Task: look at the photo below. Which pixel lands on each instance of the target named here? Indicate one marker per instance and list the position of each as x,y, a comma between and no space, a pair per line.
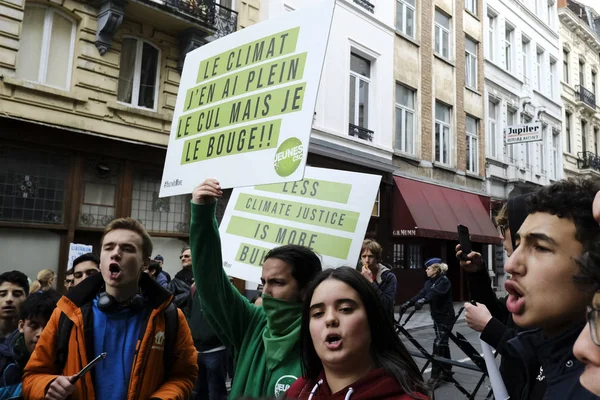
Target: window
101,180
491,35
596,140
581,73
405,119
360,74
442,133
493,127
538,7
408,256
555,155
565,66
549,13
568,130
540,150
139,73
539,65
511,120
46,47
472,145
525,58
470,63
508,47
594,83
526,147
471,5
405,17
442,34
376,206
552,75
583,136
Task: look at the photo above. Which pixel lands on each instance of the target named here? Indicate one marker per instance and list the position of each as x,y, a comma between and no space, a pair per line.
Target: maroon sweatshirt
377,385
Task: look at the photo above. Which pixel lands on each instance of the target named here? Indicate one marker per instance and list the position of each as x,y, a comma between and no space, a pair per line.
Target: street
466,377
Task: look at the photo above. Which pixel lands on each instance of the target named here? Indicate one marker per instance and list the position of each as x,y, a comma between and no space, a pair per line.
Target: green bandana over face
283,334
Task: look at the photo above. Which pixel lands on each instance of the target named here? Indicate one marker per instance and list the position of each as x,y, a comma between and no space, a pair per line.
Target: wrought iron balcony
220,18
587,159
586,96
361,133
364,3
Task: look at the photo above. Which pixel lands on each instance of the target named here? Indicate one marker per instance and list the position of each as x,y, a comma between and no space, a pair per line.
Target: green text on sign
269,47
312,188
322,243
244,139
264,105
298,212
249,80
253,255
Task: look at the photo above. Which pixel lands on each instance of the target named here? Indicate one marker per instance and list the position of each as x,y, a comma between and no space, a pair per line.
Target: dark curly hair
572,199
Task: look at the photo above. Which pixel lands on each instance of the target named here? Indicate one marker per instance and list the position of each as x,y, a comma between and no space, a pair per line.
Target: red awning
427,210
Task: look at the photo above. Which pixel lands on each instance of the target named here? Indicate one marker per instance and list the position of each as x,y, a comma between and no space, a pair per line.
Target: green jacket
265,339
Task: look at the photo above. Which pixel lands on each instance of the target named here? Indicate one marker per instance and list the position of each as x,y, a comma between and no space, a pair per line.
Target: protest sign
246,103
76,250
328,211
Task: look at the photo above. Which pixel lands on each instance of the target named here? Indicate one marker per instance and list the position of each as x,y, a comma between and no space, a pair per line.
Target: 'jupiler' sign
523,133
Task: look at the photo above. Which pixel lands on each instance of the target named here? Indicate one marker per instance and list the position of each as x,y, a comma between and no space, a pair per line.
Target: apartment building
580,46
87,93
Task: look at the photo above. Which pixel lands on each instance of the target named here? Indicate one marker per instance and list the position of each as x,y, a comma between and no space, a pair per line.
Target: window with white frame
472,145
470,63
541,156
596,140
405,17
539,68
493,127
508,46
442,34
584,135
538,8
525,64
139,73
471,5
565,66
405,119
46,47
526,147
549,13
555,155
594,82
552,77
360,79
511,120
582,73
568,131
491,45
443,129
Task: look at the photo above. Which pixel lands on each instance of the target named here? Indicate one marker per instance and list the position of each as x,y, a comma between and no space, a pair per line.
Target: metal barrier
477,362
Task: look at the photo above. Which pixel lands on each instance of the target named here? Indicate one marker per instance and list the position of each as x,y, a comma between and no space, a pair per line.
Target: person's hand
366,272
473,263
60,388
419,304
477,317
404,307
207,192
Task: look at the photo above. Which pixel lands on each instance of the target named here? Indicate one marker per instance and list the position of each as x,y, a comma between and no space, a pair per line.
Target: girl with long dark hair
350,349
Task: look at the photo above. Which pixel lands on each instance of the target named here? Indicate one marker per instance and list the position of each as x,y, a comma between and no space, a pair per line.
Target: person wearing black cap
438,293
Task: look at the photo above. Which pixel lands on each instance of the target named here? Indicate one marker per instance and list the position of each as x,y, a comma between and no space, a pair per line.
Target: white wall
170,249
28,251
371,36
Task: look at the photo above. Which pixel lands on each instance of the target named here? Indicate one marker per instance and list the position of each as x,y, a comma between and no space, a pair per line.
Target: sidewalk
422,318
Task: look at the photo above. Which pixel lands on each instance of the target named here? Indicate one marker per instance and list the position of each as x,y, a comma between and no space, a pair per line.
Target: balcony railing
364,3
221,18
587,97
587,160
361,133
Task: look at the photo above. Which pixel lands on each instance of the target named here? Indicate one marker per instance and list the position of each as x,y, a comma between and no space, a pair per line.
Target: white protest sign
76,250
523,133
328,211
246,104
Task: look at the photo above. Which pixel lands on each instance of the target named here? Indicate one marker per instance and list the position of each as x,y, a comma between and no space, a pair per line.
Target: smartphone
465,240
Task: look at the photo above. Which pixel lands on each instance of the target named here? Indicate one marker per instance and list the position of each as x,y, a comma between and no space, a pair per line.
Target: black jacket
437,292
385,283
13,358
551,370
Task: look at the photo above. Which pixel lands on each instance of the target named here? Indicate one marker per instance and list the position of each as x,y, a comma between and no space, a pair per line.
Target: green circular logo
288,156
283,384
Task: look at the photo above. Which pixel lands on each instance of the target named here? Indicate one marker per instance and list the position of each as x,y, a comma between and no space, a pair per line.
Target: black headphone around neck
108,303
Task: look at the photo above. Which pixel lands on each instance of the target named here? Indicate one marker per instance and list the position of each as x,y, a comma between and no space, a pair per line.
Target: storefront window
408,256
100,183
167,214
32,186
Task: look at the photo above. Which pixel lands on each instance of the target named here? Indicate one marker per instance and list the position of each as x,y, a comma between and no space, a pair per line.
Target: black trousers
441,325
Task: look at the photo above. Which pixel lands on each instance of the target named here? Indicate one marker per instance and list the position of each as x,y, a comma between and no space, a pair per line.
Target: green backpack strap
171,332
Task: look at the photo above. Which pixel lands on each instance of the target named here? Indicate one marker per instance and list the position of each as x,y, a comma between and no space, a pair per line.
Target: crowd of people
314,333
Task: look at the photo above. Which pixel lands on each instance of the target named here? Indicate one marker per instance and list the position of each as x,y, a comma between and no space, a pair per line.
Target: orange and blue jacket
147,380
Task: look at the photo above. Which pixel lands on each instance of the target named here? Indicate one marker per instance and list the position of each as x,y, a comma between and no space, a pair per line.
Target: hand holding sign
207,192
